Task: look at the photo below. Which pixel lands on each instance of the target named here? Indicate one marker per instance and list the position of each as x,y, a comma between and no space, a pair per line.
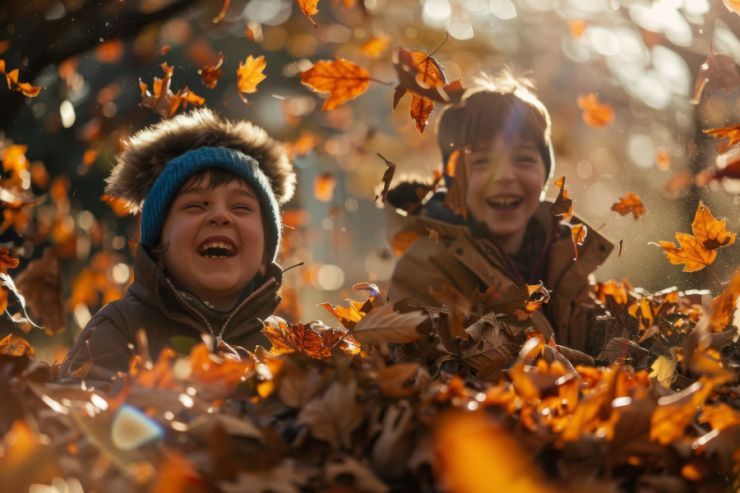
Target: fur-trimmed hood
146,153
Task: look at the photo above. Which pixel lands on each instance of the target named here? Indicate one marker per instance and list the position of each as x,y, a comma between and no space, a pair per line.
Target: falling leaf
376,46
629,203
456,198
595,113
210,74
709,231
732,5
309,9
698,251
323,187
304,144
578,233
577,28
13,345
723,306
110,51
120,207
249,74
342,79
717,72
563,205
663,159
413,67
690,252
222,13
732,134
162,100
23,87
387,178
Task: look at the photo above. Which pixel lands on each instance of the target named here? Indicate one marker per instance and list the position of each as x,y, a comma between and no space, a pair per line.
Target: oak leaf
629,203
595,113
250,74
342,79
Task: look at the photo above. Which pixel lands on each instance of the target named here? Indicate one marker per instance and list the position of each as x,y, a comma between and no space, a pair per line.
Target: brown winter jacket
154,303
466,262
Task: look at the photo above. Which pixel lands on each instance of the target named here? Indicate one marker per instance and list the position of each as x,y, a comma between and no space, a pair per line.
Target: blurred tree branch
37,42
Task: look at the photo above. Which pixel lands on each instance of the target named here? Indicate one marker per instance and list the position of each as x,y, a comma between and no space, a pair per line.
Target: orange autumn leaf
110,51
629,203
720,416
458,190
732,5
304,144
723,307
120,207
342,79
595,113
309,8
323,187
13,345
89,157
732,134
618,291
210,74
663,160
14,85
428,74
690,252
313,339
709,231
563,205
577,27
162,100
250,74
376,46
578,233
14,158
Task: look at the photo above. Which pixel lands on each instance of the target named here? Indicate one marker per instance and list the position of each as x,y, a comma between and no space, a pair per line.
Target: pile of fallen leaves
484,408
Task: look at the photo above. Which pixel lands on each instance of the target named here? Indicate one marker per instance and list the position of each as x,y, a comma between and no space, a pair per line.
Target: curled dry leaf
250,74
595,113
732,134
340,78
210,74
563,205
629,203
24,88
384,325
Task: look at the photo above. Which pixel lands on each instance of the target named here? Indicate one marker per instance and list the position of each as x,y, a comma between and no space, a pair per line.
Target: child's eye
194,205
243,208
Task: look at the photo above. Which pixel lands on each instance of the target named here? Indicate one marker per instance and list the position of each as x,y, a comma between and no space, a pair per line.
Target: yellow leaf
249,74
709,231
309,8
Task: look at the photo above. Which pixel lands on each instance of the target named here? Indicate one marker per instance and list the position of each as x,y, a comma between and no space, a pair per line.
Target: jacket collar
154,288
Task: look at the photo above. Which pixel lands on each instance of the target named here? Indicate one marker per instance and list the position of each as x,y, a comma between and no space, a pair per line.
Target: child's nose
219,217
503,170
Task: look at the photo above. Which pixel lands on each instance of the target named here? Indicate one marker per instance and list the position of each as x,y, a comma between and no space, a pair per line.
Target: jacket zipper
191,308
236,310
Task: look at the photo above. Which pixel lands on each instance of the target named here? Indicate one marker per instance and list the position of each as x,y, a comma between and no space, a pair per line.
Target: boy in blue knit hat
209,192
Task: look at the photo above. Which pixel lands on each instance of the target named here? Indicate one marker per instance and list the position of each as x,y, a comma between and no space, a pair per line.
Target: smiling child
209,192
510,237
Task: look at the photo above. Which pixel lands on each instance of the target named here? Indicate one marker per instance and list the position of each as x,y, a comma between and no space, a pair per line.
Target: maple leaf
210,74
732,134
309,8
629,203
313,339
563,205
162,100
690,252
595,113
342,79
698,251
717,72
723,306
709,231
249,74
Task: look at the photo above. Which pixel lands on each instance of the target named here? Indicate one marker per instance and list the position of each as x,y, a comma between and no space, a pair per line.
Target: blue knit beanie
178,170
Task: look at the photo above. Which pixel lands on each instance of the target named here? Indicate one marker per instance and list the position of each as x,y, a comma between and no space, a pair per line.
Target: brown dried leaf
629,203
563,205
334,416
384,325
717,72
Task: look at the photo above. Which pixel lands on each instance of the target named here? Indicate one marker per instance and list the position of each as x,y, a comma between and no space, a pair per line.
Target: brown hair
500,104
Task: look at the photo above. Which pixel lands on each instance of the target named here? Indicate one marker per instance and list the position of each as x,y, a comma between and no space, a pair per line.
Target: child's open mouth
504,202
217,249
